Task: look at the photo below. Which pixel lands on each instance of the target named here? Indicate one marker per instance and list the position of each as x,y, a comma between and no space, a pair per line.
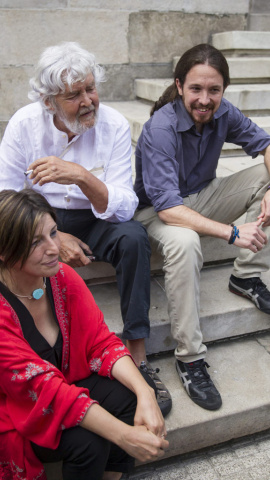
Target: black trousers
86,455
126,247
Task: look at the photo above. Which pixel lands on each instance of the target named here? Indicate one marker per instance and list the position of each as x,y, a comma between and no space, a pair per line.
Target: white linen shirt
104,150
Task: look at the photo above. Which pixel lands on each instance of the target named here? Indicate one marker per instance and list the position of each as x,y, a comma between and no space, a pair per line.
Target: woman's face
43,257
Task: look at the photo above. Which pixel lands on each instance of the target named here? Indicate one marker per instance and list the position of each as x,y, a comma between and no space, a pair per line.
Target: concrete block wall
132,38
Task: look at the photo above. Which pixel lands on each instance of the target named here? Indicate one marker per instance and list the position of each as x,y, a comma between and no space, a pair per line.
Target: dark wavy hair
202,54
20,213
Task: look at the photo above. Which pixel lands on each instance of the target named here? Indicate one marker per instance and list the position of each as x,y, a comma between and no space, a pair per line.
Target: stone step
251,99
138,112
223,314
240,370
246,69
243,42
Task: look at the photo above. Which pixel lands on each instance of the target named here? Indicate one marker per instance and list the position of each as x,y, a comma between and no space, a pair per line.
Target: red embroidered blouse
38,401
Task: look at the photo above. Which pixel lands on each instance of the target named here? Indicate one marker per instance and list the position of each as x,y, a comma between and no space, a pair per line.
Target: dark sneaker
198,384
253,289
164,398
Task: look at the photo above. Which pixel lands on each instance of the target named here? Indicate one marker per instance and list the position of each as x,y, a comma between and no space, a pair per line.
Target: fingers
52,169
251,236
72,251
145,445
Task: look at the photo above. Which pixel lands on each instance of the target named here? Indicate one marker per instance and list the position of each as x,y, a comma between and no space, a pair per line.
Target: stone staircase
236,332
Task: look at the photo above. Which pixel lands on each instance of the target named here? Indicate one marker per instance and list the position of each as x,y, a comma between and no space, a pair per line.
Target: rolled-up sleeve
118,179
243,131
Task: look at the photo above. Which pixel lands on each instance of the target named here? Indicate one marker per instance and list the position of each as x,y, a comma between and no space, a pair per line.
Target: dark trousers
126,247
86,455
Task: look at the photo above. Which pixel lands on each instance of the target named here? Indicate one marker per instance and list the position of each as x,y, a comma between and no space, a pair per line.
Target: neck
22,287
62,127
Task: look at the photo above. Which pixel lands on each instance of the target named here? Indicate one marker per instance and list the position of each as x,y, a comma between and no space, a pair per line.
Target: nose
204,97
86,100
52,246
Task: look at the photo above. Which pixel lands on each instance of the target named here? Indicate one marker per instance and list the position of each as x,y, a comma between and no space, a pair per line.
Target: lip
86,114
52,263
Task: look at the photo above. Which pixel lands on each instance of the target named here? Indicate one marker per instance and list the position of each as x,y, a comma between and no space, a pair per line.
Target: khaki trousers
224,200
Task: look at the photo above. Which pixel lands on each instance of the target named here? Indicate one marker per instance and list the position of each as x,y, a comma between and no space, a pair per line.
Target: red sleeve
35,396
91,342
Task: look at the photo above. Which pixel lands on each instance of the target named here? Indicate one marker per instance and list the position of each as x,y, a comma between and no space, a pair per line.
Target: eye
90,89
35,243
54,233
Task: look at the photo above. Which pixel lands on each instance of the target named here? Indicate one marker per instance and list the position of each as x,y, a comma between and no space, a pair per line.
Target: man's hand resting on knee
73,251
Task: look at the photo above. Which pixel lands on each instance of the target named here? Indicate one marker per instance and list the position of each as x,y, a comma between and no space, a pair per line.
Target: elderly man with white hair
77,153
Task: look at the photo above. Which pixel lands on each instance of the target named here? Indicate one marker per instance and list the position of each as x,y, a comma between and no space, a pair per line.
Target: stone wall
132,38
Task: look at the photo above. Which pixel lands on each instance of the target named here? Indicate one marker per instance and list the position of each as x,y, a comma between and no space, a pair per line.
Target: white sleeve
118,179
12,160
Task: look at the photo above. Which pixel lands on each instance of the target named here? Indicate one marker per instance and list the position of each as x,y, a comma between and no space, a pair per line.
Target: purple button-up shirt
173,160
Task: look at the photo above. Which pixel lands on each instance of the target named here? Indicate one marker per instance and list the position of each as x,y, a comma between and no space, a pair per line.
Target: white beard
76,127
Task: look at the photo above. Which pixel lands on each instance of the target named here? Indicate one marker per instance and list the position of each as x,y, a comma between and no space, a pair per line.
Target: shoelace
152,373
199,374
260,287
149,371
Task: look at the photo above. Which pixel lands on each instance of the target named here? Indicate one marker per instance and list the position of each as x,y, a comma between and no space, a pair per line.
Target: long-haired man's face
201,93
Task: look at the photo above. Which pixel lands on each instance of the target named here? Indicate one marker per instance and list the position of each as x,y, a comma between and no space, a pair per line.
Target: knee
135,239
262,173
185,246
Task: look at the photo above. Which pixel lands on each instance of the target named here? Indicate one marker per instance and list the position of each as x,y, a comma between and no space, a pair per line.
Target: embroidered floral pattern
33,395
119,349
95,364
48,376
47,411
31,371
83,395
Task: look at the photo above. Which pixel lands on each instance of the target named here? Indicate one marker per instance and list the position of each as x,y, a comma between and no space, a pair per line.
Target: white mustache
87,110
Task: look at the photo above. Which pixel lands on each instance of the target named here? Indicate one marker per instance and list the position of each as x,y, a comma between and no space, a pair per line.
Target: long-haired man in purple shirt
181,199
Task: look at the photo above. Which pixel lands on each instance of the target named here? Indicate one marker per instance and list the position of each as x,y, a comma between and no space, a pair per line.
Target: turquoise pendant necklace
36,294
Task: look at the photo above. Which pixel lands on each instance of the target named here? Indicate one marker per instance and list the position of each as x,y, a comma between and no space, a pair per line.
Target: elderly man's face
201,93
76,110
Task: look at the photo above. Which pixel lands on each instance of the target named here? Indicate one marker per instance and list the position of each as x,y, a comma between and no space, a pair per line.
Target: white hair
62,65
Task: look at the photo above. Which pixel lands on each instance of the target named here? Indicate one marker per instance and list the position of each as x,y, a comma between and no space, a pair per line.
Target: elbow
163,216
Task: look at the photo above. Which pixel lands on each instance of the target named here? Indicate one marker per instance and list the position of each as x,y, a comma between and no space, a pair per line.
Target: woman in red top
69,389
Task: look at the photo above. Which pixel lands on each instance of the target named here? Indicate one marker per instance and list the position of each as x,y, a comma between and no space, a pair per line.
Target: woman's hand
142,444
148,413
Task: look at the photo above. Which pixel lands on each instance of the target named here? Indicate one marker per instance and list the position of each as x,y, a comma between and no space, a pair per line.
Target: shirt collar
59,132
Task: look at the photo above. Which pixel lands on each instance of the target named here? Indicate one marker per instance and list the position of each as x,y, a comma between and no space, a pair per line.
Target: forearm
185,217
266,154
101,422
126,372
94,189
137,441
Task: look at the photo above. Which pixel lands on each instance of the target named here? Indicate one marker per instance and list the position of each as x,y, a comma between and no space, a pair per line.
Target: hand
72,250
148,413
251,236
265,210
54,169
143,444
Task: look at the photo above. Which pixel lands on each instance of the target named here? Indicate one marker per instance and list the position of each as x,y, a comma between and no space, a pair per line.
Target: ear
179,88
49,105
